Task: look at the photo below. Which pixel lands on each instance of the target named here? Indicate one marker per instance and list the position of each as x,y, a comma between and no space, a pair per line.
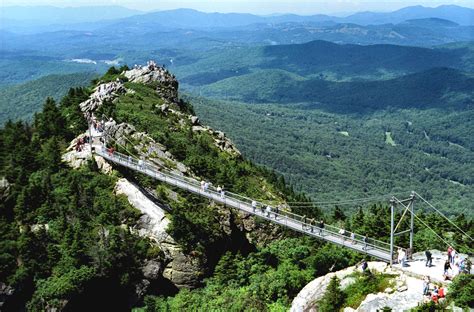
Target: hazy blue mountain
187,18
48,15
457,14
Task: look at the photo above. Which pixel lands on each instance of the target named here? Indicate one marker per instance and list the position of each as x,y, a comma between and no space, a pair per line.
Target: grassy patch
388,138
366,284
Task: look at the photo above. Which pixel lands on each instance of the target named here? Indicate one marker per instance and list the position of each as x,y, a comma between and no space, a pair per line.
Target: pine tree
333,298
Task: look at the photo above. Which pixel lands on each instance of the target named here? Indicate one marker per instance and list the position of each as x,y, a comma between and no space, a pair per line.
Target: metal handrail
243,203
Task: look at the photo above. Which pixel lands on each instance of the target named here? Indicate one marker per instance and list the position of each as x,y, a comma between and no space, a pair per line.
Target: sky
339,7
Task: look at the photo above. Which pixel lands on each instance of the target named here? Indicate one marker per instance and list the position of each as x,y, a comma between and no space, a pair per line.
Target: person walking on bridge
254,205
269,211
366,240
321,227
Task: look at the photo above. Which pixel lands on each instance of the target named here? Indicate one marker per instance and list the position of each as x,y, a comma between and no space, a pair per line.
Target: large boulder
151,74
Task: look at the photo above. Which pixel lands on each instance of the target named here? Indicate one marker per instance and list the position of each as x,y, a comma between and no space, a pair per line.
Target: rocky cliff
182,270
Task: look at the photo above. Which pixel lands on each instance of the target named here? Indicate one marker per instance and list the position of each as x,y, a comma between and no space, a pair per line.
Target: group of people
97,125
81,142
265,209
455,265
434,294
205,188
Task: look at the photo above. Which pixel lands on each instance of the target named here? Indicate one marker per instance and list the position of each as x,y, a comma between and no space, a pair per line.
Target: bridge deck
374,248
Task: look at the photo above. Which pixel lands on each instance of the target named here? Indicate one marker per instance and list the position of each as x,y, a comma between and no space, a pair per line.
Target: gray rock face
119,132
104,92
4,188
152,270
182,270
166,83
307,298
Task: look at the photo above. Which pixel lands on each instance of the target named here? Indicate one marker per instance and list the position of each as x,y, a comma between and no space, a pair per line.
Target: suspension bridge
372,247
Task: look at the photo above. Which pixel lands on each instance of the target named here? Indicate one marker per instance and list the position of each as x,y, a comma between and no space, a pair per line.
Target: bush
461,291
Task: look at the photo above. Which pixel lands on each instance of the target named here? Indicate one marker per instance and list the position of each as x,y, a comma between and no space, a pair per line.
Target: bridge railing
244,203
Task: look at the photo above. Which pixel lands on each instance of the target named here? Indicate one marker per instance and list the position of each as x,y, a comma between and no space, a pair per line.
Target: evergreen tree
333,298
49,122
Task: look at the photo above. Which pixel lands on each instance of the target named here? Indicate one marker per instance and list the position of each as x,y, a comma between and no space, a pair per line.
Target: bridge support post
412,220
392,228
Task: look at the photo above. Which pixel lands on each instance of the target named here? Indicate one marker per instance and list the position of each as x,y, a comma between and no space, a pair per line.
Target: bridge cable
439,212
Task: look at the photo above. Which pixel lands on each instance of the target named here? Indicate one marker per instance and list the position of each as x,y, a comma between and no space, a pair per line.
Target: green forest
22,101
65,234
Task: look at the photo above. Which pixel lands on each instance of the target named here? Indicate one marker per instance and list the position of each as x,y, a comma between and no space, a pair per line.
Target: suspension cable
439,212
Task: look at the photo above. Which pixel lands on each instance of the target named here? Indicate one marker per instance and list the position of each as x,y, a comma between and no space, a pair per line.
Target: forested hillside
22,101
436,88
323,60
331,155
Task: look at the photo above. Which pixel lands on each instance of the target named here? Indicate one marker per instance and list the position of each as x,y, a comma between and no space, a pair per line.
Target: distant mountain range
50,15
24,18
324,60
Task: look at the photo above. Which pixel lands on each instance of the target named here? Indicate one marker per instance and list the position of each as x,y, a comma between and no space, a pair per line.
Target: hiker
140,163
441,292
304,222
254,205
364,266
311,224
206,186
219,189
277,211
426,285
365,242
456,269
401,257
321,227
202,185
434,296
450,250
429,258
269,210
222,192
353,237
447,266
343,233
453,255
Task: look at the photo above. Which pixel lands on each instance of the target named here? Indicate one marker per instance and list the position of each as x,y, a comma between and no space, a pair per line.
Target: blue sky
252,6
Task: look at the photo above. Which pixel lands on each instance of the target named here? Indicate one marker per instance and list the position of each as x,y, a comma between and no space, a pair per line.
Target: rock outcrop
182,270
307,298
166,83
102,93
